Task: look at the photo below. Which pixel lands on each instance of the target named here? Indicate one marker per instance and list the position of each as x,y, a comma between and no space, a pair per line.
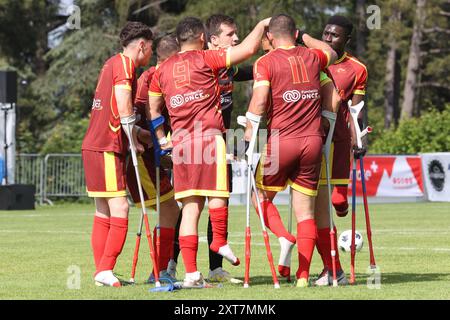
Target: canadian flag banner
389,176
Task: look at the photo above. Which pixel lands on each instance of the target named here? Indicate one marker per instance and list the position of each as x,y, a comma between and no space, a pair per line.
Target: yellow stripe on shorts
221,164
146,180
110,171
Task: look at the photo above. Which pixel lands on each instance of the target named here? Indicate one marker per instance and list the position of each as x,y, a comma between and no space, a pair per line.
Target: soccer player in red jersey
188,85
105,146
166,47
331,102
350,77
287,89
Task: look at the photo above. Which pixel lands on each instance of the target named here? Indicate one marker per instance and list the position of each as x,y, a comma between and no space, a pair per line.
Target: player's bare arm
250,45
330,98
258,106
125,109
312,43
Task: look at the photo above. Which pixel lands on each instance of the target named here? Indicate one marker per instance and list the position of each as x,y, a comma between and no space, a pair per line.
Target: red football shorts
340,168
147,173
295,162
104,173
200,168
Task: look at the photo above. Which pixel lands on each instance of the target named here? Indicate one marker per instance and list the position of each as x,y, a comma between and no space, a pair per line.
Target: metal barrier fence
54,175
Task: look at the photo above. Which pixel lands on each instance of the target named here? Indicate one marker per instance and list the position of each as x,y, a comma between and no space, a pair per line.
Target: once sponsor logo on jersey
179,100
295,95
176,101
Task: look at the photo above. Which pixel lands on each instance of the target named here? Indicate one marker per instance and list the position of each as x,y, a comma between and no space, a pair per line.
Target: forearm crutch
331,117
251,184
354,112
127,124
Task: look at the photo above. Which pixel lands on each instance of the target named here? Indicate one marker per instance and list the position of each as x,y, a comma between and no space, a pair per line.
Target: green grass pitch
41,250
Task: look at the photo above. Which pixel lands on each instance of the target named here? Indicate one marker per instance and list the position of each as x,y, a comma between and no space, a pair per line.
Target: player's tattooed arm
250,45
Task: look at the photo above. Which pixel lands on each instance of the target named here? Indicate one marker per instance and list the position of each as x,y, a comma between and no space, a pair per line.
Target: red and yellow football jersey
350,77
104,132
188,81
293,74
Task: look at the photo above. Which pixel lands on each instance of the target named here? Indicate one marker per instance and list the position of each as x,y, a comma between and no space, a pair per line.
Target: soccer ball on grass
345,241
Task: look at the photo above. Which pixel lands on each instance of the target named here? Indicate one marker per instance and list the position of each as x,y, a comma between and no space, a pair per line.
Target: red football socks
306,241
273,221
100,230
166,238
189,248
114,243
219,223
324,248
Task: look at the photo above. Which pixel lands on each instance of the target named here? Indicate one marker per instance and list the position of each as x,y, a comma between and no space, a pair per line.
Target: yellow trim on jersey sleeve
261,83
360,92
308,192
328,58
324,79
124,63
154,94
228,57
123,86
110,171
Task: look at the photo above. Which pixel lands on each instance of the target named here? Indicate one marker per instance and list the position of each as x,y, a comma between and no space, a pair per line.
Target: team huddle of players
191,87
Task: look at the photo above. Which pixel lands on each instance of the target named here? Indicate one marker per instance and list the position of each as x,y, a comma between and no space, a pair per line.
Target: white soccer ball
345,241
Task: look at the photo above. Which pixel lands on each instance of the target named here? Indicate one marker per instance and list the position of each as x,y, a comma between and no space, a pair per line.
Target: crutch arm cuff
329,115
128,120
253,117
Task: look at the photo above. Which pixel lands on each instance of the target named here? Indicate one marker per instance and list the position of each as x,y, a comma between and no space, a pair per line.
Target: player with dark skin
350,77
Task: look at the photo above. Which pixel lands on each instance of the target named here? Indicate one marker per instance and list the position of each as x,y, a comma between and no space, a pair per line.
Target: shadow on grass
361,278
397,277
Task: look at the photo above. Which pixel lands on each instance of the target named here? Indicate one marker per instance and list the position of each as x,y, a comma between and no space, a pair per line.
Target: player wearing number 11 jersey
287,89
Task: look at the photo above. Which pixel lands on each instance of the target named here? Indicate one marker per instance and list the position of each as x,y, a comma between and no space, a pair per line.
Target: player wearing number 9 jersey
287,89
187,83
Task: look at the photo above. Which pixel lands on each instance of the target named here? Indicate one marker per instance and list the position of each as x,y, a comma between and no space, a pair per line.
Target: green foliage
429,133
65,137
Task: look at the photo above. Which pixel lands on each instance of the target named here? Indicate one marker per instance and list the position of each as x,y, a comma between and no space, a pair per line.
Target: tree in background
57,84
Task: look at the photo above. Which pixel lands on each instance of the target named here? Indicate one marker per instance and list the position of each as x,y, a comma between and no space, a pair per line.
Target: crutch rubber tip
276,286
335,283
246,285
158,284
132,281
